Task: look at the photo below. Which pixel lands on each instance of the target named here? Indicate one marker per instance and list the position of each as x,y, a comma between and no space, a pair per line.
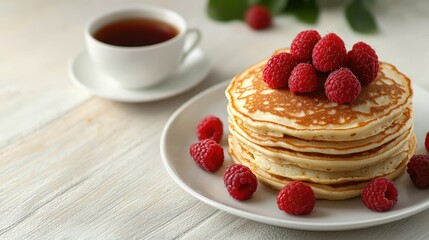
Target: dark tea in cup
135,32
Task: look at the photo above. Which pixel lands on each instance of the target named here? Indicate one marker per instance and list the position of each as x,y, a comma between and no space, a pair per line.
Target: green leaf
226,10
360,17
305,10
275,6
368,3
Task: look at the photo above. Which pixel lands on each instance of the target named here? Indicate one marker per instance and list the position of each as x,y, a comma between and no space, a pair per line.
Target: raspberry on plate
210,127
303,79
363,62
329,53
207,154
380,195
342,86
302,45
240,182
418,169
258,17
427,142
296,198
278,69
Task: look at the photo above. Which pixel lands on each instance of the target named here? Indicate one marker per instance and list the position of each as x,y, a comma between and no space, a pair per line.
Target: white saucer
85,75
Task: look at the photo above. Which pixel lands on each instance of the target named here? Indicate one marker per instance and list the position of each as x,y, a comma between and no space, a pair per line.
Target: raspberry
210,128
296,198
418,169
380,195
240,182
278,69
342,86
329,53
207,154
302,45
258,17
303,79
427,142
363,62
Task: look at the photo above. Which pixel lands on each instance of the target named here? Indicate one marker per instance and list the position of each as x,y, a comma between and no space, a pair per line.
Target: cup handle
189,46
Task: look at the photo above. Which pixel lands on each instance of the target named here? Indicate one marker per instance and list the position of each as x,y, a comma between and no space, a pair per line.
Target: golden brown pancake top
315,108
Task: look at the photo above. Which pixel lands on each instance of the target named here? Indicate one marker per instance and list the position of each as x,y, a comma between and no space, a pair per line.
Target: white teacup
140,66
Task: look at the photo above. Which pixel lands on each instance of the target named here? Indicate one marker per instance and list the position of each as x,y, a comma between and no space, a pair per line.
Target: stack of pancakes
335,149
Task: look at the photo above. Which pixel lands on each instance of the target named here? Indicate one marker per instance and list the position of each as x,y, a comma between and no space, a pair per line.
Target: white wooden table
74,166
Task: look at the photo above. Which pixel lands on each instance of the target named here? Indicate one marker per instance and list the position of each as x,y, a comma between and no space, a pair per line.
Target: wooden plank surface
73,166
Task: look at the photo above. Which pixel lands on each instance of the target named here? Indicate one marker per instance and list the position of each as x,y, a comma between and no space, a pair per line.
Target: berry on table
302,45
278,69
303,79
207,154
240,182
210,127
258,17
363,62
342,86
329,53
380,195
296,198
418,169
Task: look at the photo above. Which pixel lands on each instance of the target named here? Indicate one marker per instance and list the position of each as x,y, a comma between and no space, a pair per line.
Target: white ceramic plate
179,133
85,75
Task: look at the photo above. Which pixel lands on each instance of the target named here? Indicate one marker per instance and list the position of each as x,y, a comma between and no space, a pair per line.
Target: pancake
279,112
334,148
321,191
398,127
295,172
326,162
